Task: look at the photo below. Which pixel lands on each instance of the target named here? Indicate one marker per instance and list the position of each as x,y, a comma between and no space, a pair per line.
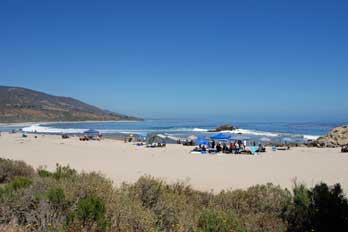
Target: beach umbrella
202,141
241,137
265,139
192,137
143,135
220,136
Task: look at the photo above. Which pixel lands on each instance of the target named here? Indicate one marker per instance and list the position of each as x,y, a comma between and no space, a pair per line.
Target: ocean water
180,128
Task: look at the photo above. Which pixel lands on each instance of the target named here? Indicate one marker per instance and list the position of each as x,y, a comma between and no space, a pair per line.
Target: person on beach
224,148
232,147
237,147
213,144
218,147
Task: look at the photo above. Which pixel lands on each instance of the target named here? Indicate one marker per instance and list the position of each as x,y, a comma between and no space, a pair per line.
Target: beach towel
254,150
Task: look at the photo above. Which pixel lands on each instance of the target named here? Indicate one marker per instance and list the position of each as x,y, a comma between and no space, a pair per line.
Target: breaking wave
43,128
311,137
37,128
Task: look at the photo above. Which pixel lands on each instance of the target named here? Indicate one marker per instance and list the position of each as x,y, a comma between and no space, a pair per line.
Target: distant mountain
25,105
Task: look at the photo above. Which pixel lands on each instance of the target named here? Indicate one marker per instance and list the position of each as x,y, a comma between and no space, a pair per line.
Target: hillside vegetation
25,105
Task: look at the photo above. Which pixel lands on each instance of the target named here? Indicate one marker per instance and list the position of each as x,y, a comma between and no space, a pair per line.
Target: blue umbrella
142,135
221,136
202,141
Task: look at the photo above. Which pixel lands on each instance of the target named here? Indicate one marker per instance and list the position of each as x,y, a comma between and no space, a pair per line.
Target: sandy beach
125,162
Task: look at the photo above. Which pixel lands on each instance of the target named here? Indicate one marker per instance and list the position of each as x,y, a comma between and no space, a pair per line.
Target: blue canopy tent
92,132
221,136
202,141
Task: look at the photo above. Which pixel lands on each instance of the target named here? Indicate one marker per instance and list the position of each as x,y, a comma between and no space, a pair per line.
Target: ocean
182,128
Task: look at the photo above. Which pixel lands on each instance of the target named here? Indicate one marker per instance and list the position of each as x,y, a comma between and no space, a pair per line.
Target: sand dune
126,162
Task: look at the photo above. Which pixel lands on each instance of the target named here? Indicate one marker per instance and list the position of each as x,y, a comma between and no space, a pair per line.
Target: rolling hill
25,105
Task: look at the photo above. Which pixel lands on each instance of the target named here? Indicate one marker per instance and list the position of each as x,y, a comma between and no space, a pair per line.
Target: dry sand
125,162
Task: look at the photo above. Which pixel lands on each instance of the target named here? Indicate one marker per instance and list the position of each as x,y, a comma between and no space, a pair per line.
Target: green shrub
10,169
90,214
172,205
128,214
218,221
298,214
66,200
148,189
18,183
56,196
320,209
63,172
258,207
44,173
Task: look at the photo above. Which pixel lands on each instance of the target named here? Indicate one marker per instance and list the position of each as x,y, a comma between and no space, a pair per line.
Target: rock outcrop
337,137
227,127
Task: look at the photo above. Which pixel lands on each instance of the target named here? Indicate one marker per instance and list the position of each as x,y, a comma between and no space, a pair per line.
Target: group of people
235,147
344,149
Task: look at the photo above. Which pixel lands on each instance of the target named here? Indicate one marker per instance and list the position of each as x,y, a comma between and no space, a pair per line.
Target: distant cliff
25,105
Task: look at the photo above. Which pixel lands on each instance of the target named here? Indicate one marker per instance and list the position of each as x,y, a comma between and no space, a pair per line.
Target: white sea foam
252,132
311,137
40,128
200,130
37,128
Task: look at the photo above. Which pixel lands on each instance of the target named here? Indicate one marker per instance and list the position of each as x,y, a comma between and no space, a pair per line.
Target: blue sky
244,60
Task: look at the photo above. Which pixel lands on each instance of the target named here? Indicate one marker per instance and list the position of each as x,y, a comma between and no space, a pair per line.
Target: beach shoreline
126,162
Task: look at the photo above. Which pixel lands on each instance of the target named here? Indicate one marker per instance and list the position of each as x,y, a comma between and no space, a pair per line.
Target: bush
44,173
320,209
172,205
11,228
329,209
63,172
298,215
218,221
65,200
148,190
259,207
18,183
9,170
90,214
56,197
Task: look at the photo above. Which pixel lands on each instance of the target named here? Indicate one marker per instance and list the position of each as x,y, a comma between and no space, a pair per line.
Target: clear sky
246,60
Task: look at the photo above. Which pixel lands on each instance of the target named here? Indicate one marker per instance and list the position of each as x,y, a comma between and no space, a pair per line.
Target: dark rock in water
336,138
227,127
